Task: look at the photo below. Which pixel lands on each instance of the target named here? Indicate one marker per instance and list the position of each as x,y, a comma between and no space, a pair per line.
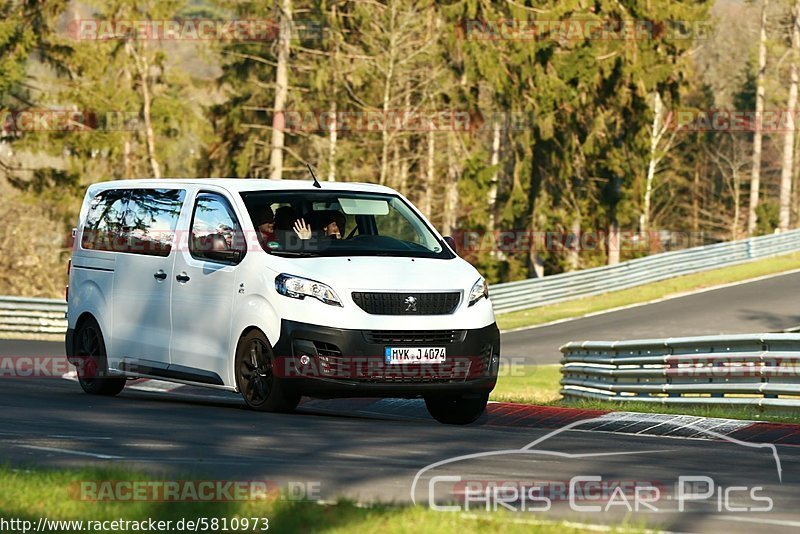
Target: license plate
401,355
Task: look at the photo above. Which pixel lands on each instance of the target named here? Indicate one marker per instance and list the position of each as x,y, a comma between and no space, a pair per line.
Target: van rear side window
134,221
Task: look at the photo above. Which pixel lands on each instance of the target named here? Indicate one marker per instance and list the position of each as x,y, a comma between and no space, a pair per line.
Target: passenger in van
289,225
285,217
264,220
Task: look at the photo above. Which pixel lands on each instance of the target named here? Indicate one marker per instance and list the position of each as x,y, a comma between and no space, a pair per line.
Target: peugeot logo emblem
411,304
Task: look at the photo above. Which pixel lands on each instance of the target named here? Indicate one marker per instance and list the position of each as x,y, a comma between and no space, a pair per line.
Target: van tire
91,361
456,410
268,392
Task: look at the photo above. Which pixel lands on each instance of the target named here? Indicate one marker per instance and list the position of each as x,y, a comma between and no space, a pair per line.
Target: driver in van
333,224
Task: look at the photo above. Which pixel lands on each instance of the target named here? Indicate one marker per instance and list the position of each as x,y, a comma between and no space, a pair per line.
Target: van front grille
377,371
407,303
380,337
331,364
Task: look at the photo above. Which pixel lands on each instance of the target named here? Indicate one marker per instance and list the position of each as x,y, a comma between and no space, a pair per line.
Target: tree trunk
332,136
785,200
696,200
406,147
536,264
126,158
613,241
535,261
281,91
655,135
143,70
796,180
148,127
491,197
737,188
427,198
451,190
430,164
573,245
387,92
392,167
403,187
755,177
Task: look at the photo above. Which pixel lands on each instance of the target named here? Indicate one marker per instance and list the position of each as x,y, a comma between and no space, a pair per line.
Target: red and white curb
510,415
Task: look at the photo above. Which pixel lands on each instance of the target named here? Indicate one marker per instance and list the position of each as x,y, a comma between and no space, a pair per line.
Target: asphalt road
767,305
51,422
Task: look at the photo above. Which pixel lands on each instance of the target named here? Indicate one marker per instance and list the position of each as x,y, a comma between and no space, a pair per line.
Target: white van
242,285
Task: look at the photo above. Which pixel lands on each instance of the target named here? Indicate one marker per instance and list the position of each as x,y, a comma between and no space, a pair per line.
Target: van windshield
340,223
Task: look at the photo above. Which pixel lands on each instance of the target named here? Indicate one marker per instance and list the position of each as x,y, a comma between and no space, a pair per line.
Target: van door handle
160,275
182,278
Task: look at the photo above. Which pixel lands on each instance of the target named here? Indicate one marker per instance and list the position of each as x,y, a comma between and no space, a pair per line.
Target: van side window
136,221
153,216
216,232
104,228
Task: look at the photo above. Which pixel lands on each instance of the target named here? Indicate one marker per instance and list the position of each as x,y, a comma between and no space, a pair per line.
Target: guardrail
749,369
534,292
28,315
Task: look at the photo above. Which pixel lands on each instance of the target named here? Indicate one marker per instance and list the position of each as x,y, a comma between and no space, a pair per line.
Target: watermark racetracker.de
182,490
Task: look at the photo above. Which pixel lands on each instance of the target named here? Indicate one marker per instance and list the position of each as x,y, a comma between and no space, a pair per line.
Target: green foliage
577,160
31,263
26,27
100,77
472,189
768,213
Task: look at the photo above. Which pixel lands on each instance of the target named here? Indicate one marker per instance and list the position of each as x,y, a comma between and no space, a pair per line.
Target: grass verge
529,384
32,494
648,292
539,384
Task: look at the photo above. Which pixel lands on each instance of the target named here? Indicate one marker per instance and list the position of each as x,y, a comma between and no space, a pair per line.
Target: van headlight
300,288
478,291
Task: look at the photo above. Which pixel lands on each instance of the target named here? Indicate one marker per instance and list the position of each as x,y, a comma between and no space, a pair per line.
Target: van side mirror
224,256
451,242
215,247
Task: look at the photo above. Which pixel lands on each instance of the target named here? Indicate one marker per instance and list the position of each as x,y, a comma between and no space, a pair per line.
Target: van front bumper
329,362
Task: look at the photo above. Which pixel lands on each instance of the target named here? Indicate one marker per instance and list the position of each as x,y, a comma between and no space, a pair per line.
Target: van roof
238,185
